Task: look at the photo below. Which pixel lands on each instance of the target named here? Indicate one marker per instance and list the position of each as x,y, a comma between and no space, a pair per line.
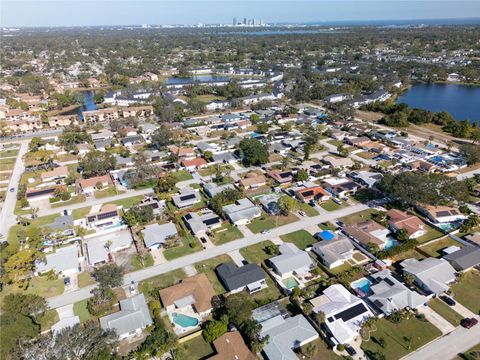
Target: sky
21,13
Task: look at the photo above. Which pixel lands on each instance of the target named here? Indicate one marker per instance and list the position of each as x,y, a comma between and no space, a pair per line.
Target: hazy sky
129,12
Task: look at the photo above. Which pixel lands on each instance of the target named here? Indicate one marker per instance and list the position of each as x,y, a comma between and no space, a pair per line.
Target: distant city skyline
23,13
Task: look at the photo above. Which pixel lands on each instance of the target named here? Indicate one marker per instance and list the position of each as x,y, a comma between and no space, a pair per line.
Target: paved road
468,174
140,275
333,148
8,218
448,346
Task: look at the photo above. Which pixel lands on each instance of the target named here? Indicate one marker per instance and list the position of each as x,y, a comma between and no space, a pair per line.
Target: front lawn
266,222
400,339
208,268
300,238
330,205
128,202
434,249
80,310
48,318
182,175
38,285
445,311
85,279
81,213
107,192
307,209
322,351
74,200
467,292
189,246
138,264
358,217
196,348
226,233
8,153
256,253
161,281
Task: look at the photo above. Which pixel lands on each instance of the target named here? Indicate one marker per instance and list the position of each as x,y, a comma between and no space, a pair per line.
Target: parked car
467,323
12,189
203,240
66,281
265,232
448,300
302,213
337,201
350,350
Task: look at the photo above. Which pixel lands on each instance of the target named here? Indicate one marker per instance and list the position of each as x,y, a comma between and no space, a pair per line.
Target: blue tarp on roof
327,235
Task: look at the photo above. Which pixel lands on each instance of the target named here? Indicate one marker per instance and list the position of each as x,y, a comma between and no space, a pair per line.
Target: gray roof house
186,198
63,224
242,212
99,247
224,157
269,203
213,189
155,235
199,224
285,335
64,261
250,276
431,274
334,252
390,295
465,258
292,260
132,318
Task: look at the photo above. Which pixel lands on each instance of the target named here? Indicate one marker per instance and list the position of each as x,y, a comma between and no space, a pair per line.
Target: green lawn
256,253
162,281
470,354
39,285
81,213
435,248
226,233
301,238
327,226
80,310
49,318
330,205
85,279
420,333
407,255
189,246
107,192
209,98
7,164
467,290
74,200
182,175
128,202
208,268
267,222
322,351
266,296
8,153
430,234
358,217
194,349
445,311
307,209
138,264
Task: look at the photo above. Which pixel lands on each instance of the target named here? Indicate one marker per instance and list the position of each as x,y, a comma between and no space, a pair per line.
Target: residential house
202,222
156,235
465,258
193,293
100,115
230,346
358,141
341,189
55,174
253,181
431,274
441,214
194,164
422,165
281,177
292,261
186,198
269,203
62,120
129,141
344,313
102,216
90,185
338,162
367,233
183,153
133,317
312,193
43,193
398,220
213,189
235,279
101,249
242,212
335,251
137,111
62,225
366,178
225,157
63,261
389,295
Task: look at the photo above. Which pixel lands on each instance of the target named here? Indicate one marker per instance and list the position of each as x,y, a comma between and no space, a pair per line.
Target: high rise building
234,21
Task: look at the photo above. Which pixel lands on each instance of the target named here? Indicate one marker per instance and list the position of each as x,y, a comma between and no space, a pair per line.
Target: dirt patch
124,258
368,115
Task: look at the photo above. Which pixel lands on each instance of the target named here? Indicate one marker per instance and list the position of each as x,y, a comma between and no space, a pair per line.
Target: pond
462,101
87,104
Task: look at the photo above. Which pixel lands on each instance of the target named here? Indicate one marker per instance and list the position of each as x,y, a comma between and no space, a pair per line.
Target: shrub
341,347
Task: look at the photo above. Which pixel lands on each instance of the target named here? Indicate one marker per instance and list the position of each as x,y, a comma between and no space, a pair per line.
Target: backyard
300,238
266,222
195,348
435,248
430,234
208,268
400,339
467,292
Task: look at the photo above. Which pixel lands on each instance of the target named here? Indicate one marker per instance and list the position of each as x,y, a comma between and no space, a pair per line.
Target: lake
462,101
87,104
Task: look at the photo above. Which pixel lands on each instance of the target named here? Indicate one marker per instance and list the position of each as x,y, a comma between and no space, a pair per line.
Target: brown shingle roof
230,346
85,183
402,220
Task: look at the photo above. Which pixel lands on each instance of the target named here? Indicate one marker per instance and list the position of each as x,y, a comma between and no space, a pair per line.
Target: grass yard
358,217
39,285
85,279
182,175
190,245
208,268
420,333
107,192
467,292
330,205
7,164
208,98
470,354
80,310
445,311
266,222
48,318
194,349
435,248
300,238
307,209
128,202
256,253
327,226
430,234
74,200
8,153
266,296
226,233
138,264
81,213
322,351
161,281
407,255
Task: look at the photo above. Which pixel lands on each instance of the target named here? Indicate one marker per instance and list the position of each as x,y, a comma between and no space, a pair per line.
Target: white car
265,232
302,213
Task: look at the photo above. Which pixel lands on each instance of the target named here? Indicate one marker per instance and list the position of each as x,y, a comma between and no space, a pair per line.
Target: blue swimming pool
362,284
391,243
290,283
184,320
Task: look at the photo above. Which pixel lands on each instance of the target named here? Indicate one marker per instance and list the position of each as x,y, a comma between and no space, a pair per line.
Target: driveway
462,310
443,325
65,311
236,257
157,255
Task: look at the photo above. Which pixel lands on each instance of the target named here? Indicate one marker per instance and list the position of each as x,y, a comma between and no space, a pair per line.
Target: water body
462,101
87,105
200,78
281,32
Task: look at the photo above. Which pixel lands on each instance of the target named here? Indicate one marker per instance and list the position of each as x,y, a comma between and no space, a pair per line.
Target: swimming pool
391,243
290,283
362,284
448,227
184,320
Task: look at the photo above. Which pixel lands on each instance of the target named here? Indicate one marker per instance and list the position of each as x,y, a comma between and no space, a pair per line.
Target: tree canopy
254,152
97,163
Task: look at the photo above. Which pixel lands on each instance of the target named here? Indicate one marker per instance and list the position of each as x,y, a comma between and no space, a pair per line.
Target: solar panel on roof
211,221
284,175
187,197
388,281
107,215
40,192
378,303
443,213
351,313
308,193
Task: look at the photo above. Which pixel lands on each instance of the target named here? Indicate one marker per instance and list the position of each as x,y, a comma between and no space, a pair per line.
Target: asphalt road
84,293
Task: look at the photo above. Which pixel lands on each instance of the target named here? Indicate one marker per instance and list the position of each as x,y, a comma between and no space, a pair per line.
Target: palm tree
34,212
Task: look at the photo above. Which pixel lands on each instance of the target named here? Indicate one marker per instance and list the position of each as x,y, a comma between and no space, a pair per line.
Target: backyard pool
362,284
290,283
448,227
391,243
184,320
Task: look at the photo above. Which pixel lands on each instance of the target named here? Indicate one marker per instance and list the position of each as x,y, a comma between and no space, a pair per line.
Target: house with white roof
292,263
156,235
202,222
344,312
100,249
242,212
213,189
132,318
186,198
335,251
431,274
63,261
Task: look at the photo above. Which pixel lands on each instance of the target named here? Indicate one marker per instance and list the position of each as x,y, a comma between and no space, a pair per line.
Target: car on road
302,213
350,350
467,323
203,240
244,262
448,300
340,223
66,281
265,232
12,189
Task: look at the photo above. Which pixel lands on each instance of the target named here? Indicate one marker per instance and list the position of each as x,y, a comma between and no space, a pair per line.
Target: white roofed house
132,318
334,252
242,212
187,198
202,222
63,261
156,235
431,274
344,312
101,249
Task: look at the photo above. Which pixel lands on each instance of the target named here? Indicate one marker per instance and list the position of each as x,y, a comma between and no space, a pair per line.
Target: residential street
140,275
